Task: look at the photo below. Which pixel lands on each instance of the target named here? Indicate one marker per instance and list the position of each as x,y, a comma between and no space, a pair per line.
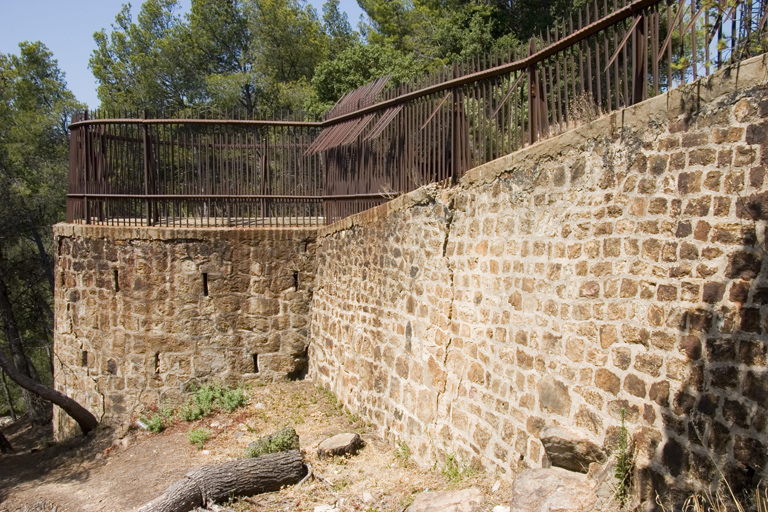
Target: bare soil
121,469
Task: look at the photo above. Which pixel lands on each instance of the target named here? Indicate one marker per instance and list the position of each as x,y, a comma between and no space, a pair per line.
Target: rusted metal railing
383,140
193,172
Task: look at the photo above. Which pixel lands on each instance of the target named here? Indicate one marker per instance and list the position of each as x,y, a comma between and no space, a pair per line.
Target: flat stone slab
551,490
466,500
341,444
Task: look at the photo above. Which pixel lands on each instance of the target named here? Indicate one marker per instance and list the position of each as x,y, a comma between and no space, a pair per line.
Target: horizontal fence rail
383,140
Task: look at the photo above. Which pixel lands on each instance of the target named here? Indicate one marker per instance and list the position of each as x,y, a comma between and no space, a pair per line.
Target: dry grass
382,477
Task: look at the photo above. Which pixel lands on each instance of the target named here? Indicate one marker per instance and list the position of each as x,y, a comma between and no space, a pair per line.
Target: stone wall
142,313
618,267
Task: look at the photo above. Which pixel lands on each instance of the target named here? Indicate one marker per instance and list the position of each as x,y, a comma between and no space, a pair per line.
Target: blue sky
66,27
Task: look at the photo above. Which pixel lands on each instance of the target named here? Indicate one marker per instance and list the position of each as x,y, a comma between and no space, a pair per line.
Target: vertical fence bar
639,60
145,147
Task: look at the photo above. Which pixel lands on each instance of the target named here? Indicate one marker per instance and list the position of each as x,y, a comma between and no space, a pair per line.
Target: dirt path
108,473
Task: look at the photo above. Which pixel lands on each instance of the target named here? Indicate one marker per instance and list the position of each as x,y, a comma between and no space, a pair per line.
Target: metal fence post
455,136
86,158
639,59
145,140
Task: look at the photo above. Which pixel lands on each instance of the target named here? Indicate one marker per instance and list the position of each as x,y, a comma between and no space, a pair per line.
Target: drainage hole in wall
255,363
205,284
115,280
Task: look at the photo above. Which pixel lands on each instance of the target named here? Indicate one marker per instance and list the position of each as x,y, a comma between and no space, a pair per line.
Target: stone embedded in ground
551,490
466,500
565,449
341,444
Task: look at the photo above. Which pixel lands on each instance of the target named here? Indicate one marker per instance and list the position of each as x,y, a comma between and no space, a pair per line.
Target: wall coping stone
175,233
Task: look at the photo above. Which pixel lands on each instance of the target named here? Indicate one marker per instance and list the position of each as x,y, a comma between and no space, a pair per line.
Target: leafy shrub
209,397
190,412
205,397
280,441
153,422
199,436
231,399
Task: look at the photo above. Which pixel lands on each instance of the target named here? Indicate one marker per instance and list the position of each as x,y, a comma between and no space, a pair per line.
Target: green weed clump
280,441
154,422
623,468
232,399
209,397
402,453
199,436
456,469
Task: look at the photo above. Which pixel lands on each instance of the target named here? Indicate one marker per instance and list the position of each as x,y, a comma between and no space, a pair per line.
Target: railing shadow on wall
383,140
715,423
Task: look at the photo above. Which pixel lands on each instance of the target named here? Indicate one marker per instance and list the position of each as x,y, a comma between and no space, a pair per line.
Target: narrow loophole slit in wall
115,280
63,279
157,362
205,284
84,358
296,280
255,363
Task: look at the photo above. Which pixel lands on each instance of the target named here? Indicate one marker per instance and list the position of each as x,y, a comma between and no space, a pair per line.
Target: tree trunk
5,445
80,414
45,259
38,410
243,477
8,396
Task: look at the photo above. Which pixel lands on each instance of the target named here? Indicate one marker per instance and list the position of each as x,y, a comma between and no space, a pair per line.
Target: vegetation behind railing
380,141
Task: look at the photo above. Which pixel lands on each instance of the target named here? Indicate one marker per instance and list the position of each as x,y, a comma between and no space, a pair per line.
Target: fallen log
242,477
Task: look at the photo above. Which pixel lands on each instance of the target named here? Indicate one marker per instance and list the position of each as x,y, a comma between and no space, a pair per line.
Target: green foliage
358,65
232,399
402,453
35,109
209,397
199,436
153,423
190,412
456,469
267,56
623,468
205,396
224,55
282,440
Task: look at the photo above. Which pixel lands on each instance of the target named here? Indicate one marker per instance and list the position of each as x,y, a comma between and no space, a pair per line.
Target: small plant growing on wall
624,461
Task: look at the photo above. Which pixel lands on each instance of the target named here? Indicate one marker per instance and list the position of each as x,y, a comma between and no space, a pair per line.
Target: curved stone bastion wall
143,313
620,266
